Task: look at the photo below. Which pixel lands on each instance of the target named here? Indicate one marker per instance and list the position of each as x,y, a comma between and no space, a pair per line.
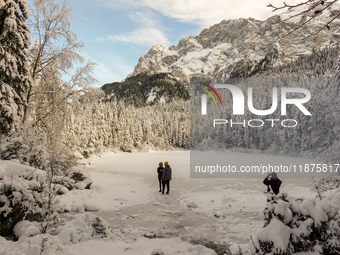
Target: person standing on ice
274,183
166,177
160,175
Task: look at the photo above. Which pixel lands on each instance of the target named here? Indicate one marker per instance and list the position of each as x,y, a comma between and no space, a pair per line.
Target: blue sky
117,32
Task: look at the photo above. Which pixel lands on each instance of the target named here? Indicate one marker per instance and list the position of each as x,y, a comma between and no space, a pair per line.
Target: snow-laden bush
38,157
335,198
13,148
298,225
84,227
21,194
27,193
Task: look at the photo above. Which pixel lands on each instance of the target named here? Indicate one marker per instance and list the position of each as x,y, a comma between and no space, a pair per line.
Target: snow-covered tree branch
15,80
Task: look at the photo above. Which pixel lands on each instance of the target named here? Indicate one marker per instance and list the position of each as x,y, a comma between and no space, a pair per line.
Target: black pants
167,183
160,182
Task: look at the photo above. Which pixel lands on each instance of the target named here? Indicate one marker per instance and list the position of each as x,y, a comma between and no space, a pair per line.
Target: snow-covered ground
124,195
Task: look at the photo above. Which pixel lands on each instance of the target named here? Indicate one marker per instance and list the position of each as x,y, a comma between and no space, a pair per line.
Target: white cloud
144,19
148,31
202,12
207,13
146,35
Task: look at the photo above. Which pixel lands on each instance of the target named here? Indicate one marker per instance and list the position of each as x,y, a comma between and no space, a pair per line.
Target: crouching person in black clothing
166,177
160,175
273,184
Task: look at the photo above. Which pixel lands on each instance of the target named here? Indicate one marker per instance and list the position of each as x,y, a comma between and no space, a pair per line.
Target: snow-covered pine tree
14,64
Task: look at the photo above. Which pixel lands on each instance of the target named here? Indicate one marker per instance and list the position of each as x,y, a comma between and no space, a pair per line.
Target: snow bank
85,227
26,228
193,250
83,180
36,245
11,169
163,246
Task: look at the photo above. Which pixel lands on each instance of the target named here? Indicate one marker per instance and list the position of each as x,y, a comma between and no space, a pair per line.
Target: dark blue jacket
274,184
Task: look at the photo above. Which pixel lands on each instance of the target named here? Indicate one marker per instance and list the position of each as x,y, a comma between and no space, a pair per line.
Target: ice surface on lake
125,193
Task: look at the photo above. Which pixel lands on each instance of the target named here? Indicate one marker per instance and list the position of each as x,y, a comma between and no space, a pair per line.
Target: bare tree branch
316,13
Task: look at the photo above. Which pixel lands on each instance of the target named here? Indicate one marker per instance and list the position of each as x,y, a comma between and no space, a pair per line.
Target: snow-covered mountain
241,47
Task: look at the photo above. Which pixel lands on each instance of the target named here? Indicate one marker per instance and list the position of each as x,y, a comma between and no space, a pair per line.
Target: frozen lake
125,188
200,216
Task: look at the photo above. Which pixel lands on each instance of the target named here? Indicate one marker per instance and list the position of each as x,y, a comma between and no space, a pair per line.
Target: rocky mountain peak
239,47
155,49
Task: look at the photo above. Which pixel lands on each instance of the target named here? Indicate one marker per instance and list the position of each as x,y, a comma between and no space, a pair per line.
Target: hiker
160,169
274,183
166,177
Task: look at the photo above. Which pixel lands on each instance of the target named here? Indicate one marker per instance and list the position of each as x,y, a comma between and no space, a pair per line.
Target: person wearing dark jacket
160,175
274,183
166,177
